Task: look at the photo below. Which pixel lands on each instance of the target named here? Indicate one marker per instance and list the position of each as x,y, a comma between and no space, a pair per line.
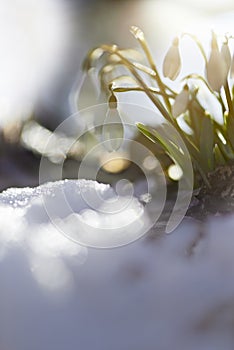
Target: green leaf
197,115
165,135
229,127
219,158
207,144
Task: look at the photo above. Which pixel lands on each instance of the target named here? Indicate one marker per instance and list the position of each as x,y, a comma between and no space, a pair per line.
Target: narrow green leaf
219,158
160,135
197,115
229,127
207,144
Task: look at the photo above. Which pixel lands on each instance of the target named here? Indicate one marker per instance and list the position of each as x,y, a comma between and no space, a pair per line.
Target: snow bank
161,292
84,211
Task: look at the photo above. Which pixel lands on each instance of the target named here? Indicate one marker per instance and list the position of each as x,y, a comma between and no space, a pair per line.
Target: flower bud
225,52
172,61
216,67
181,102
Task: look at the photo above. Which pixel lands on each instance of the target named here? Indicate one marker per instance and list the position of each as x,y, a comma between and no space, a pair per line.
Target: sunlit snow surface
172,292
85,211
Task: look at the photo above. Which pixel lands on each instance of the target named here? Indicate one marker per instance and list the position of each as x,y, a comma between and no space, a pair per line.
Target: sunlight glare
33,41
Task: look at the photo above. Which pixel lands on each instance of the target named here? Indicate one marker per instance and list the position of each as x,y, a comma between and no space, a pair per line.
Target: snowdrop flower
172,61
225,52
181,102
216,68
113,129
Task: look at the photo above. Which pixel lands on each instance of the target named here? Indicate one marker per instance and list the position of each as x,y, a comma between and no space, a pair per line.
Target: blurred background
43,44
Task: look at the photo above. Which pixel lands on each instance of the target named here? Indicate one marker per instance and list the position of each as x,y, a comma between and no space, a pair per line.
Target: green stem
128,89
141,82
222,104
229,99
157,77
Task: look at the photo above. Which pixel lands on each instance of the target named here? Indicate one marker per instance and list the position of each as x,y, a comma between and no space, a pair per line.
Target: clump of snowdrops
210,142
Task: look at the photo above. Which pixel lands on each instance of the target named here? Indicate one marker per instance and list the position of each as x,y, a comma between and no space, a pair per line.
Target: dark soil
219,198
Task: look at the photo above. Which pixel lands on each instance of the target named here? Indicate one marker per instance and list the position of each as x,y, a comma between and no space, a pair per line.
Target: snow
160,292
85,211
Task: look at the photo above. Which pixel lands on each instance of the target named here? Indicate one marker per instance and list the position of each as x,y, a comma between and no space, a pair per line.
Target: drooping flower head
172,61
225,52
216,68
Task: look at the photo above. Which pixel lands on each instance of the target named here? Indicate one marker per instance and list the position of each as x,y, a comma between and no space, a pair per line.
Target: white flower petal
225,52
181,103
172,61
216,70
